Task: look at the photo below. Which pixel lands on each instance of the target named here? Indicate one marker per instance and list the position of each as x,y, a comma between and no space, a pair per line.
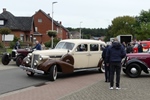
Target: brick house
30,28
21,27
43,23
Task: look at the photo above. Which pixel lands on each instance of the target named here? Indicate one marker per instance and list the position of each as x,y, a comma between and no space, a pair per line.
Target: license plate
28,72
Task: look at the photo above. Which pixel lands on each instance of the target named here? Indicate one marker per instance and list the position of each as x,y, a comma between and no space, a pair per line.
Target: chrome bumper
31,69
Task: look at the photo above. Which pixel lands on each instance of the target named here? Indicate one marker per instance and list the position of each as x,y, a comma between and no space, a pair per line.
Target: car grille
13,54
34,58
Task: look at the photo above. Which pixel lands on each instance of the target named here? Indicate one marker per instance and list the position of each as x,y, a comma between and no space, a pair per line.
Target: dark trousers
115,67
107,73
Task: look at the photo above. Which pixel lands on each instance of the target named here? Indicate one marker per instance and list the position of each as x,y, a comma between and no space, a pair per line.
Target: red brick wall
46,25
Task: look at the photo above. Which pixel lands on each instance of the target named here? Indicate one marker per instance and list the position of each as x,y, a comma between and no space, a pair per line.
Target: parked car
145,44
16,55
135,63
68,56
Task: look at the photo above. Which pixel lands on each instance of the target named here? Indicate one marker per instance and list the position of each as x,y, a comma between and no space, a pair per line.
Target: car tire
102,68
5,59
19,60
53,73
68,58
133,70
30,74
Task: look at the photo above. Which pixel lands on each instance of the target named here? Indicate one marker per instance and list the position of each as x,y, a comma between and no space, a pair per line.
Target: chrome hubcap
133,70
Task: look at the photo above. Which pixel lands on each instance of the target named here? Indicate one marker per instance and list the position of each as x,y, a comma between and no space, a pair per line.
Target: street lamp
52,14
80,30
52,23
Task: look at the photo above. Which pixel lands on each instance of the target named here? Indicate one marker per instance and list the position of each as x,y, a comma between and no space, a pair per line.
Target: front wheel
133,70
5,59
53,73
19,60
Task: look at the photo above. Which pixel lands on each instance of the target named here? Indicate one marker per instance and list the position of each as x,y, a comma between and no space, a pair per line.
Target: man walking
114,55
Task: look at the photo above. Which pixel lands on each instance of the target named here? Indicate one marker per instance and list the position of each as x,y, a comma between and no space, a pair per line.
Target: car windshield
65,45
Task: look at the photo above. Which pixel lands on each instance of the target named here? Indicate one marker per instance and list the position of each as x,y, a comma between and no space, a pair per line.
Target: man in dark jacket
114,56
107,68
37,46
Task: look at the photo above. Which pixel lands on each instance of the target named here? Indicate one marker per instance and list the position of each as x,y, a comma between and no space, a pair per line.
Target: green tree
5,31
122,25
143,25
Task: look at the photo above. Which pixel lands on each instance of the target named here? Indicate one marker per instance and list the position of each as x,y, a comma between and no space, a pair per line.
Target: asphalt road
15,78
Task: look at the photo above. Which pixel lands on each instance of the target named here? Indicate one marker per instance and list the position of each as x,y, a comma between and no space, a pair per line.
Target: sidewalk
88,87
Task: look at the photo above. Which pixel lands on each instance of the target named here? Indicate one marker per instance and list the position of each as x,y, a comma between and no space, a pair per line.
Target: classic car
135,63
16,55
68,56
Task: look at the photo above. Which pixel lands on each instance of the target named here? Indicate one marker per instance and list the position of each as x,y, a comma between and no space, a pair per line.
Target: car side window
93,47
82,48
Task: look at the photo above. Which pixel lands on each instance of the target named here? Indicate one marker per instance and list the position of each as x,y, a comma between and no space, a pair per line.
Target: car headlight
36,63
40,58
28,61
29,55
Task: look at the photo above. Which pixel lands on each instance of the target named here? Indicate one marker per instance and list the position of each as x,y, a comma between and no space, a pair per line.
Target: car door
95,55
81,56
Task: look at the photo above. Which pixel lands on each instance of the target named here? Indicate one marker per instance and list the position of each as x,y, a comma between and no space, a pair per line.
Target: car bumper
31,69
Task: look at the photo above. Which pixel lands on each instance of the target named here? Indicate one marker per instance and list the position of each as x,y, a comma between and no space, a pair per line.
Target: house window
1,22
40,20
36,29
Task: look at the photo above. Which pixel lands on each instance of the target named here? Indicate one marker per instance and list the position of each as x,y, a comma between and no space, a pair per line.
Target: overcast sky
76,13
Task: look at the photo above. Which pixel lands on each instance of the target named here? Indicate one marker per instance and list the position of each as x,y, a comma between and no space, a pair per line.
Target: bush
1,45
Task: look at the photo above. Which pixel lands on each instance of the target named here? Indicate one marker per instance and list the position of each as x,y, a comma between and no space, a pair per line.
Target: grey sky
92,13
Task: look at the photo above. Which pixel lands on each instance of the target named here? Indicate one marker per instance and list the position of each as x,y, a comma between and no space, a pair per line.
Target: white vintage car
68,56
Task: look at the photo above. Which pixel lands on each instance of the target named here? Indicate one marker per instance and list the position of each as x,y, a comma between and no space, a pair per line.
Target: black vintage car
16,55
135,63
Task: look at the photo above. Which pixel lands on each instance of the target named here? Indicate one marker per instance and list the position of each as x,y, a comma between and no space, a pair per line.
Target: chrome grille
34,58
13,54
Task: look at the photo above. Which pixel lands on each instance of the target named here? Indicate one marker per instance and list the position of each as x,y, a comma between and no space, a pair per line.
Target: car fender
143,65
63,67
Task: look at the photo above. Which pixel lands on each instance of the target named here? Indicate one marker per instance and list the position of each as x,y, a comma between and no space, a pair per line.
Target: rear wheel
102,68
133,70
19,60
5,59
53,73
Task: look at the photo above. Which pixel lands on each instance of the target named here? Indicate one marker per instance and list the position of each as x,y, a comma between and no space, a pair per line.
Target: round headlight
27,62
40,58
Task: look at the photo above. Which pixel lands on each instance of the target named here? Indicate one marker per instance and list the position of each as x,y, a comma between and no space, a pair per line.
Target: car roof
77,41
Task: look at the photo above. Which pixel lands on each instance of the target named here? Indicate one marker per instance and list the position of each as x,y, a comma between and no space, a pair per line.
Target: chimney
4,9
48,14
60,22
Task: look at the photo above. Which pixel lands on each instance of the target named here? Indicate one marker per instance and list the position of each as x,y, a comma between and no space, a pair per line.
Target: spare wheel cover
68,58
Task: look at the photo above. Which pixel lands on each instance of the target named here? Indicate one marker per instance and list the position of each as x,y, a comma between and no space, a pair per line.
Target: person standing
17,45
107,68
37,46
114,56
140,48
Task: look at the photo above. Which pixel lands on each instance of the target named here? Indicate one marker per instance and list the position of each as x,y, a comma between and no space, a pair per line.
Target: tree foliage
5,31
122,25
51,33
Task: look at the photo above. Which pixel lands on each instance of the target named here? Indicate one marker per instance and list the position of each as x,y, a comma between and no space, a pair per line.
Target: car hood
51,52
